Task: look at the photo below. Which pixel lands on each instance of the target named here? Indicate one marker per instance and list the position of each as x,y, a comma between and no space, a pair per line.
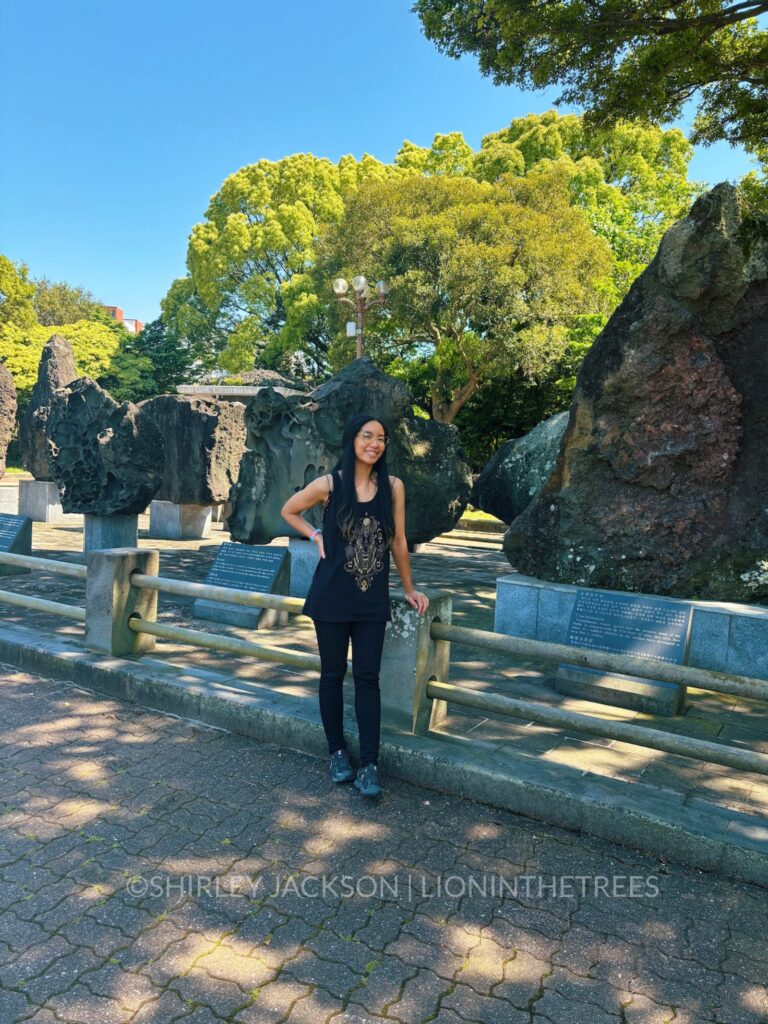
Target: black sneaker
367,780
341,769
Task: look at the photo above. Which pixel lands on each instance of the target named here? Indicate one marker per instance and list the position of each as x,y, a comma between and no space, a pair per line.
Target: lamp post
360,303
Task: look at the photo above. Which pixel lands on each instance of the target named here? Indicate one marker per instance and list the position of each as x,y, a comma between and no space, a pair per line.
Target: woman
364,516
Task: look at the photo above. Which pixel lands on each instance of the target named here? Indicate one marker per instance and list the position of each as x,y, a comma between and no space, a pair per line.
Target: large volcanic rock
107,459
204,442
56,370
7,413
662,479
515,474
294,438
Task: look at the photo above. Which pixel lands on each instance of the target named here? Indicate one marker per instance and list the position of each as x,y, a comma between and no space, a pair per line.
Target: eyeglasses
367,437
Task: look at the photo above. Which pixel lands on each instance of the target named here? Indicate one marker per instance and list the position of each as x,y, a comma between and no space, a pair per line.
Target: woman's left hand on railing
417,600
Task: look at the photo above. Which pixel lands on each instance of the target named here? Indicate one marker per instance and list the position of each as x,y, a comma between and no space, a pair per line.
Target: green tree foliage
16,292
631,180
486,278
170,360
622,59
57,302
257,240
99,348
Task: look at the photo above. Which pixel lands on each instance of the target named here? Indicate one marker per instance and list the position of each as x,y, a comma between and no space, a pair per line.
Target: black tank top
352,582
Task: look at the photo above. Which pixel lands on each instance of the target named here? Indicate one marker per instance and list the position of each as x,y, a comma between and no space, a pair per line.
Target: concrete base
651,696
539,610
170,521
725,637
239,615
40,500
110,532
304,558
9,501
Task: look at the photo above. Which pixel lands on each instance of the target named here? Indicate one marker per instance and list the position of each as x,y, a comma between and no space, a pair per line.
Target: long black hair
347,503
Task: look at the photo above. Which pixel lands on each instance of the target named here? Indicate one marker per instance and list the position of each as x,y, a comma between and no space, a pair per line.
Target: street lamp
360,303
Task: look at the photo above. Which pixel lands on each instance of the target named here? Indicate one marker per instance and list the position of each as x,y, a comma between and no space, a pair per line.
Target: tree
16,291
57,302
485,277
172,360
257,240
622,59
631,180
99,350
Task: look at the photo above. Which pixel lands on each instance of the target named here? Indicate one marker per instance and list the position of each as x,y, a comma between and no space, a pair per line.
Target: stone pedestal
304,558
39,499
110,532
170,521
539,610
9,500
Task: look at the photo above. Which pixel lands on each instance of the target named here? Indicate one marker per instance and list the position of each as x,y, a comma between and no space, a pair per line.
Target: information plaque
656,628
257,568
16,539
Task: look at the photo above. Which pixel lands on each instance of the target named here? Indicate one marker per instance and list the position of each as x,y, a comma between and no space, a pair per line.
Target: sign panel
257,568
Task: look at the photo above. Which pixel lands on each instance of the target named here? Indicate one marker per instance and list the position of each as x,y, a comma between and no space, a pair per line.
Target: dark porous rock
107,459
7,413
661,482
204,442
515,474
294,438
56,370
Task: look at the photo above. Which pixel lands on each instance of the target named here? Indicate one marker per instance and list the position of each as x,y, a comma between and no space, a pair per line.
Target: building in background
133,326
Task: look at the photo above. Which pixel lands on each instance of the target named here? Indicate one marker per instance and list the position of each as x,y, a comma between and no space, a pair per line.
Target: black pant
367,644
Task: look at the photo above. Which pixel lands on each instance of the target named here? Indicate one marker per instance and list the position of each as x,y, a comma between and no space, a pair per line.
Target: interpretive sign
16,539
656,628
256,568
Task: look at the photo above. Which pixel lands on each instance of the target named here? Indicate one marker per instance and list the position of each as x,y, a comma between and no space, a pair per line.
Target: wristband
315,533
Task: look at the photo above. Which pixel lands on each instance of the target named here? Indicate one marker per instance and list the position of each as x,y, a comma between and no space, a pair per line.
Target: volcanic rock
56,370
107,459
661,482
294,438
515,474
7,413
204,442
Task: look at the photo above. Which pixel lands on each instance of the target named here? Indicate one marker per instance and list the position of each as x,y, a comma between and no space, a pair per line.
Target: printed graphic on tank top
352,582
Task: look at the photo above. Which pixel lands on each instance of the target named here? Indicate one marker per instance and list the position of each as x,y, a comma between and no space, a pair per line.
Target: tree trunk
446,410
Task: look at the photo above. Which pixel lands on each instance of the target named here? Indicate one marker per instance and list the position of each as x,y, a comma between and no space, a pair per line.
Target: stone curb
655,822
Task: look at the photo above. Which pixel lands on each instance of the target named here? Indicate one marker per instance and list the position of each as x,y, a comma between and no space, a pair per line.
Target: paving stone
272,1003
335,978
701,946
13,1006
465,1002
165,1009
79,1005
555,1008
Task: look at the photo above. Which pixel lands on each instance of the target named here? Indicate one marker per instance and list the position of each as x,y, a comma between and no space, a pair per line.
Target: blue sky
119,121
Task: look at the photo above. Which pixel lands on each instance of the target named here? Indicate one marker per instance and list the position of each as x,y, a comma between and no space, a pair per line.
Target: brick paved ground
153,872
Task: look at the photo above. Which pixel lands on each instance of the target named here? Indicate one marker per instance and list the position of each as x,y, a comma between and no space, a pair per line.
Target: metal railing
218,641
39,604
434,689
544,714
